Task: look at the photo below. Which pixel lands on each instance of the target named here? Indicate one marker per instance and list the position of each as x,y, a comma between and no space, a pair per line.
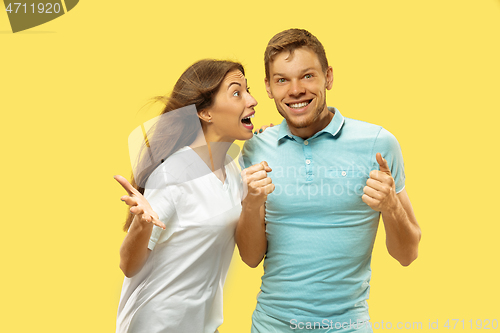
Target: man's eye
236,93
308,76
281,80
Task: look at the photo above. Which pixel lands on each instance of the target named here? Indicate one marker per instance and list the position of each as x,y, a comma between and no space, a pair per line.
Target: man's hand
257,184
380,189
139,206
401,227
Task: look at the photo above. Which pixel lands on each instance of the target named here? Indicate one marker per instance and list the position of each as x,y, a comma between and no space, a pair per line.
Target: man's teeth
298,105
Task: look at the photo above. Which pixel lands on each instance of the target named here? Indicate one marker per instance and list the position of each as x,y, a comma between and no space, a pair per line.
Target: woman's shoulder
174,166
183,165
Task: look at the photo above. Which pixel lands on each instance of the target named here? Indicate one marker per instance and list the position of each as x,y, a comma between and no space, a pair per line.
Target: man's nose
296,88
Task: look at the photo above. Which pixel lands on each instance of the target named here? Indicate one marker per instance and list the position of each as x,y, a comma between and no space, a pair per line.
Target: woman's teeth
299,105
247,119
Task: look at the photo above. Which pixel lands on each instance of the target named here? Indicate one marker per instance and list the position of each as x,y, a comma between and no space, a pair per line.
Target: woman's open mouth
247,121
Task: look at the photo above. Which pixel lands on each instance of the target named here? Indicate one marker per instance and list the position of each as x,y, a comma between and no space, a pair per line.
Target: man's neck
319,124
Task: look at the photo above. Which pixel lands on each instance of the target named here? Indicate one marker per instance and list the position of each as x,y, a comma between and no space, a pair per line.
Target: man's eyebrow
232,84
309,69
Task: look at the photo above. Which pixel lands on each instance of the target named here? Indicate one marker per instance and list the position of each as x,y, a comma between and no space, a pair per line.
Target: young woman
185,201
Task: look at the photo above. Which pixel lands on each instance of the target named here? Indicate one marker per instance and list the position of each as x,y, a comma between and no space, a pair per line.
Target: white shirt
179,289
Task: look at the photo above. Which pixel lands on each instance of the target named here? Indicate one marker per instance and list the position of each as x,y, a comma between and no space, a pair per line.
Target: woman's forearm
250,235
134,250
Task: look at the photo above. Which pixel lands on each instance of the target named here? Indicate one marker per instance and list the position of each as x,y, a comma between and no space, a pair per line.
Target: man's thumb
384,167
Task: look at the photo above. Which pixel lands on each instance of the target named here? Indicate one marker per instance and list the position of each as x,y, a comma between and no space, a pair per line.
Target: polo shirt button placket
308,158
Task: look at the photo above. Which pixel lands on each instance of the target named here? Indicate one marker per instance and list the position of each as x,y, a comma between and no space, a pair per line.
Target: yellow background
72,90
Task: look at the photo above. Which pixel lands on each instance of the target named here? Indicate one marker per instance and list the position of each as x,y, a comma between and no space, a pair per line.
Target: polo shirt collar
332,128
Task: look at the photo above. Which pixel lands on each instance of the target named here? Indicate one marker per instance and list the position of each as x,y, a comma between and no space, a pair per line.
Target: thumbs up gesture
380,189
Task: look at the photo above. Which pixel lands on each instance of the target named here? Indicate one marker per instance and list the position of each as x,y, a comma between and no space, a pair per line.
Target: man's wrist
394,208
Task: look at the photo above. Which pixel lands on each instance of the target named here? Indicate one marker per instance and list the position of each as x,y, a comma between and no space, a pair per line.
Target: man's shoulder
356,125
266,138
358,133
362,131
261,145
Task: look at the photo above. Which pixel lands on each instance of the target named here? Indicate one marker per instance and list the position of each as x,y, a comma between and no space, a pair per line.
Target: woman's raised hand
139,206
258,184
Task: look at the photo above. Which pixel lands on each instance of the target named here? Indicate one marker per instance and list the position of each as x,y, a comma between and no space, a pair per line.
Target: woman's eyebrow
229,86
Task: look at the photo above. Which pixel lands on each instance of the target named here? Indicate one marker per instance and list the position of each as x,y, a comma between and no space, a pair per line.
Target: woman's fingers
261,182
137,210
153,219
263,127
157,222
138,205
269,188
131,201
126,185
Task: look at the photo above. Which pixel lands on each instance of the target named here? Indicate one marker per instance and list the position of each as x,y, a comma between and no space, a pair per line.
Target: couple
308,200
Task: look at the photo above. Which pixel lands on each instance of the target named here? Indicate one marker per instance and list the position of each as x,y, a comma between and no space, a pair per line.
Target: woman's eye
236,93
248,90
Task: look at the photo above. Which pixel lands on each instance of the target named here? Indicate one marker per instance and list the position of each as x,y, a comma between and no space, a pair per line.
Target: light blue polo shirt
320,233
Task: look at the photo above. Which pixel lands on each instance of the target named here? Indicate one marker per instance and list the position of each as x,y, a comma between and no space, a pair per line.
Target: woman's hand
257,184
139,206
263,128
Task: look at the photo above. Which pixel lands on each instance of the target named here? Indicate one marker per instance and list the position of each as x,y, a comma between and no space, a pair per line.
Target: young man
332,178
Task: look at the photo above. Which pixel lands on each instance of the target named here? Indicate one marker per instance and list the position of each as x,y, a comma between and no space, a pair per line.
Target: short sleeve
233,168
387,145
161,197
246,153
241,162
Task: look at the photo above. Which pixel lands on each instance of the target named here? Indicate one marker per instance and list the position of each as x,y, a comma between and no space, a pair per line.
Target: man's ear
329,78
268,88
205,115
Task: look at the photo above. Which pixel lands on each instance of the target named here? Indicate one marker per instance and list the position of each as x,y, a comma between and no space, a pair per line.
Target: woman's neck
211,151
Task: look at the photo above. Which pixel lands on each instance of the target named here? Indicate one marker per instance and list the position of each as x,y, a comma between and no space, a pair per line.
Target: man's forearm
251,235
402,231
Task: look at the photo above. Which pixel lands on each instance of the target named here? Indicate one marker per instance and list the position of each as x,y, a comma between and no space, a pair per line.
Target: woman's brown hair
197,86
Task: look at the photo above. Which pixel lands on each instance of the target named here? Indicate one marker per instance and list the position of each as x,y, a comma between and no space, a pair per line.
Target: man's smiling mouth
298,105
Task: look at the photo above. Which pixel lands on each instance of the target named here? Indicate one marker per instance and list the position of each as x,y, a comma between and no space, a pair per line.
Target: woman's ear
205,115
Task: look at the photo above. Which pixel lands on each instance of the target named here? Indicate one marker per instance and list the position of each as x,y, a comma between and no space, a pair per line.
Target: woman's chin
246,136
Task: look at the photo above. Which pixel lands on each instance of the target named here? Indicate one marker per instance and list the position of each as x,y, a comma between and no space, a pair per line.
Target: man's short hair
292,39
